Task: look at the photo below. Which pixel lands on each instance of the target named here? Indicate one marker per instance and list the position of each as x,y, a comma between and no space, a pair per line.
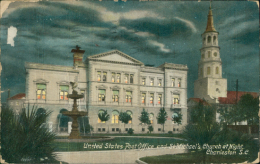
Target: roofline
50,67
109,52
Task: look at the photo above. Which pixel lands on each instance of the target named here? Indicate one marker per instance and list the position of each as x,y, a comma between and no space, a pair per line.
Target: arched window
151,116
101,111
208,54
204,40
115,116
215,54
131,114
209,39
217,70
214,39
208,70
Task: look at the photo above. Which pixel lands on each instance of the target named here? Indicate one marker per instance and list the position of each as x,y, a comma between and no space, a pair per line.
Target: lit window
173,82
151,115
118,76
160,82
101,112
151,98
179,82
101,95
113,77
131,79
128,96
115,96
176,99
64,89
208,54
143,98
126,78
41,91
159,98
208,70
98,76
217,69
129,113
115,116
143,81
104,76
152,82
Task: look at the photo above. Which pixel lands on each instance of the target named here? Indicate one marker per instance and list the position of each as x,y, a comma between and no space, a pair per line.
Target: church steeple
210,84
210,25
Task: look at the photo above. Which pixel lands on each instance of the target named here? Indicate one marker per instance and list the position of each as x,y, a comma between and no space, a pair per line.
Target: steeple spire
210,25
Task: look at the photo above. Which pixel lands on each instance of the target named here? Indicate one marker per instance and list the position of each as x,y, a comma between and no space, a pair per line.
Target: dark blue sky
152,32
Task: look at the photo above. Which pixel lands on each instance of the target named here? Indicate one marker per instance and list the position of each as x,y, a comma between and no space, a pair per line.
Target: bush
169,132
150,128
130,131
24,138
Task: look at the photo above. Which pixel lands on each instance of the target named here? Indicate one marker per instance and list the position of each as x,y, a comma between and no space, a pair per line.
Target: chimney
78,56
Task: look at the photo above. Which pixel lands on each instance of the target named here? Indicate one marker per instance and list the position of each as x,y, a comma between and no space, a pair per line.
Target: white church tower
210,85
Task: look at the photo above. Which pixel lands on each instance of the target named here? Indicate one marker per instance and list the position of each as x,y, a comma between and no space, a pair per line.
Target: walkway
112,157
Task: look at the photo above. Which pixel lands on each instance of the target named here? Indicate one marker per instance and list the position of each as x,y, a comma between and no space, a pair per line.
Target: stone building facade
111,81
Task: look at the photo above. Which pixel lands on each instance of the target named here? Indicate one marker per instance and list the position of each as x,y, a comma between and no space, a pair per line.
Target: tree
150,128
203,129
162,117
248,107
144,118
177,118
24,138
245,110
229,114
103,116
124,117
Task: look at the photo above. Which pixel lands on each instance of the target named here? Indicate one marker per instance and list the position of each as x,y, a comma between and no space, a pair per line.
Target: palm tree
103,116
24,138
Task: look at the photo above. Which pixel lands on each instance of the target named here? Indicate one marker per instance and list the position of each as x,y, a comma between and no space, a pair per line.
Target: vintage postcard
129,82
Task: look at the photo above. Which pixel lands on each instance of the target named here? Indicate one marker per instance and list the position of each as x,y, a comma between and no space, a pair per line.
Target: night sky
152,32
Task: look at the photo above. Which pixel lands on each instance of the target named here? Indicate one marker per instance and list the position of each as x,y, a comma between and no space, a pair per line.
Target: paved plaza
112,157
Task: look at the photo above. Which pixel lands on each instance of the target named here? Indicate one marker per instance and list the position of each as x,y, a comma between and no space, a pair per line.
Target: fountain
75,114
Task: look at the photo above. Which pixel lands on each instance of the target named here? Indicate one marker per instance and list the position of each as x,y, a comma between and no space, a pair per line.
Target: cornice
49,67
115,62
210,47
